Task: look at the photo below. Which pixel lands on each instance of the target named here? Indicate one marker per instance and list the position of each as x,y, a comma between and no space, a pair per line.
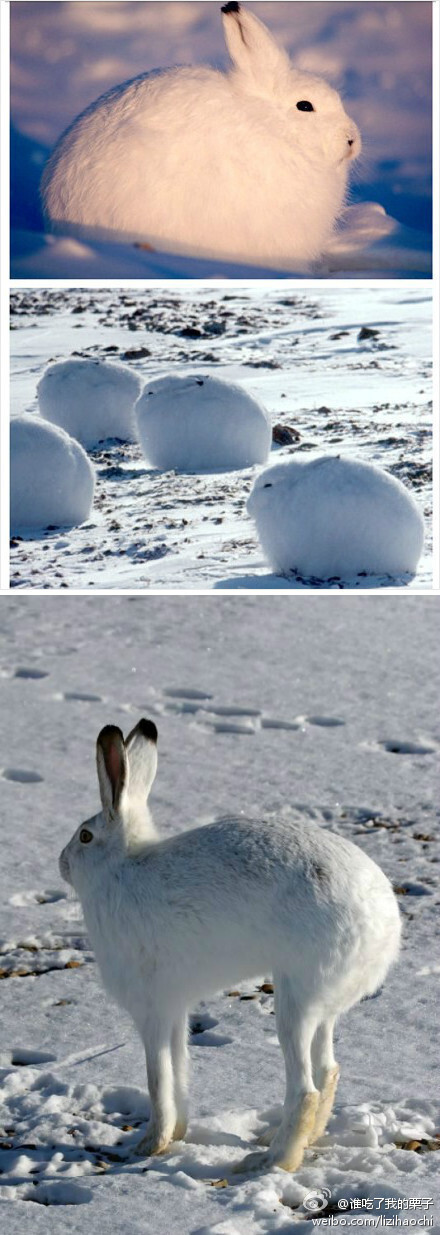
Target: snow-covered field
345,370
337,704
376,53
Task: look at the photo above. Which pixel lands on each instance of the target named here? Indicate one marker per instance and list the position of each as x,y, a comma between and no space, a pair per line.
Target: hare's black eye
85,836
268,486
304,105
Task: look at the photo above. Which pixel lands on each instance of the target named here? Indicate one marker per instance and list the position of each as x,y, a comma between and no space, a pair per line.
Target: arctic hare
174,920
333,516
248,165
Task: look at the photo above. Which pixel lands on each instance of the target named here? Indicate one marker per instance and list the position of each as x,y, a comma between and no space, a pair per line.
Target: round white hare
200,423
248,165
52,480
332,517
172,921
91,399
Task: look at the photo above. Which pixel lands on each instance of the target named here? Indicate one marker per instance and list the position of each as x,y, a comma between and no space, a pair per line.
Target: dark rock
284,435
135,353
367,332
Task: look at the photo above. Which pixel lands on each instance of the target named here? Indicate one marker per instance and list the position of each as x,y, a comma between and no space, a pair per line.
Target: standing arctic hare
249,165
174,920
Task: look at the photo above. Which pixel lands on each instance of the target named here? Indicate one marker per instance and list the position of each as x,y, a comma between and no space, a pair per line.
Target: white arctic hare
247,165
174,920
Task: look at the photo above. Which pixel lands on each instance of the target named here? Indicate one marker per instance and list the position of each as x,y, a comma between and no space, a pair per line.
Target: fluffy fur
335,516
199,161
171,921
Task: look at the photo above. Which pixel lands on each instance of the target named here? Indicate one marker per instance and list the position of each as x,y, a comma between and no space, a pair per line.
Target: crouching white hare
247,165
174,920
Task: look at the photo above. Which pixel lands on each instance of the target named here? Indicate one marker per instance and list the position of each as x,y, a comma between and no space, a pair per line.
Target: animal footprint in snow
202,1026
22,775
64,1193
21,1057
48,897
231,710
32,674
408,748
82,696
323,722
182,699
224,726
180,692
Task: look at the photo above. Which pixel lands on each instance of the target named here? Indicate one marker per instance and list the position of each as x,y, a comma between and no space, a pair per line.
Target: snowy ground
298,350
377,53
367,242
336,702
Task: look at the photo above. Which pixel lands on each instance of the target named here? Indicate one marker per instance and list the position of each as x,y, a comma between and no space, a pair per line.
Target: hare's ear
252,49
112,765
142,759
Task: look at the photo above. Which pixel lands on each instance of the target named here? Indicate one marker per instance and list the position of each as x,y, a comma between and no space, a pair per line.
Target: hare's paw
180,1130
266,1137
287,1143
253,1163
295,1134
325,1106
154,1142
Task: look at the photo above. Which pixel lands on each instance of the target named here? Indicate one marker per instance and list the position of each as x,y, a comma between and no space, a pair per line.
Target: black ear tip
148,730
109,733
231,7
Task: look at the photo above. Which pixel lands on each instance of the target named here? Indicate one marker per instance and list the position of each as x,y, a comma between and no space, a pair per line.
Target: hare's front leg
157,1042
179,1052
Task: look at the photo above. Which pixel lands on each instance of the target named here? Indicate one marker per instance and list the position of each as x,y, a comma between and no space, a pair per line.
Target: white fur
171,921
52,480
91,399
336,517
197,423
199,161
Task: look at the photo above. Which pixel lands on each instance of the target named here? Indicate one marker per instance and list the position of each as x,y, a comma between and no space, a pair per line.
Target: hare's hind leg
161,1089
296,1027
179,1052
325,1075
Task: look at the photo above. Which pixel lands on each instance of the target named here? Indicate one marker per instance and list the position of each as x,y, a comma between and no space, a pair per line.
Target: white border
94,284
4,297
436,291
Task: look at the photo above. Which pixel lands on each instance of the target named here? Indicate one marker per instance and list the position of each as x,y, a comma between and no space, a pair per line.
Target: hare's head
311,111
278,480
126,771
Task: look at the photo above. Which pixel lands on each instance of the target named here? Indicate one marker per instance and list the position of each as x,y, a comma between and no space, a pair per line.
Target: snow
91,399
198,423
336,517
52,480
69,1122
377,54
368,243
340,370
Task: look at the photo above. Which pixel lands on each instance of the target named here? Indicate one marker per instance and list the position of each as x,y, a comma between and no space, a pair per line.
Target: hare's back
264,891
161,98
282,856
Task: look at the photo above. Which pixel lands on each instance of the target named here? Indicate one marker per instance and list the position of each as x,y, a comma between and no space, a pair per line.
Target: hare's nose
352,146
